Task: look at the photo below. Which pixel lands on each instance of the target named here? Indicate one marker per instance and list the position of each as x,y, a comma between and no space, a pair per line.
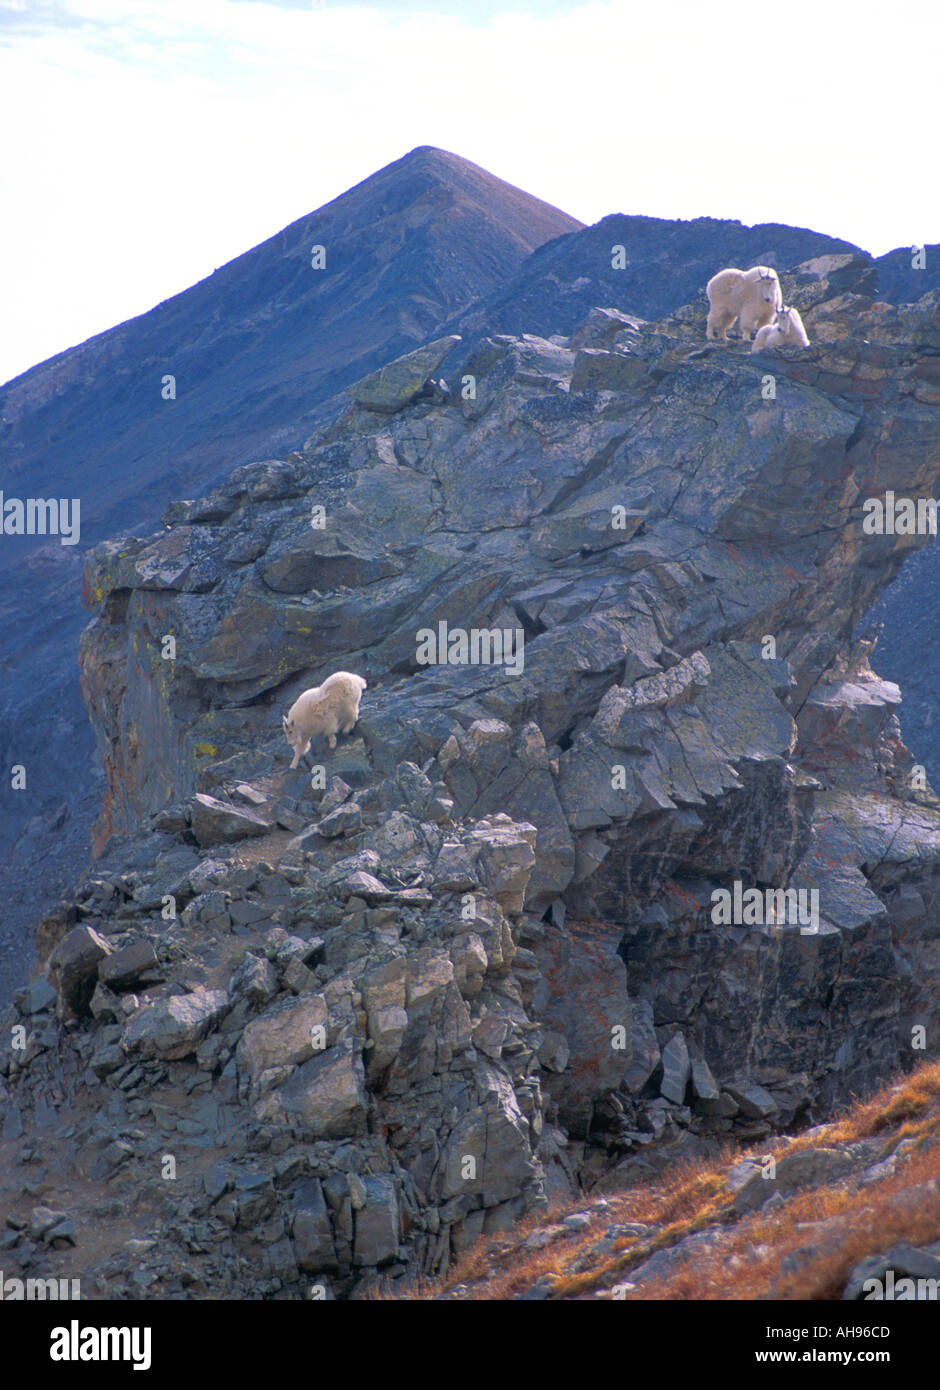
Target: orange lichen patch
590,928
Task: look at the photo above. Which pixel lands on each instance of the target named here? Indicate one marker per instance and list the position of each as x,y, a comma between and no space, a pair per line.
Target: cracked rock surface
470,963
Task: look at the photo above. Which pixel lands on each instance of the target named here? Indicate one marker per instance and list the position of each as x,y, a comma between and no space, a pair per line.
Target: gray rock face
581,997
283,1037
454,233
325,1097
73,965
493,771
595,370
214,822
644,1053
391,387
625,809
172,1027
677,1069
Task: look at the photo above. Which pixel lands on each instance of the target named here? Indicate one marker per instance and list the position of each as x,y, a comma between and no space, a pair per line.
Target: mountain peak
433,152
528,221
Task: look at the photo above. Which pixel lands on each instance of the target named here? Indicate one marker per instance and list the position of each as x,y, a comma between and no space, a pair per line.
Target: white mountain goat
750,296
786,331
330,708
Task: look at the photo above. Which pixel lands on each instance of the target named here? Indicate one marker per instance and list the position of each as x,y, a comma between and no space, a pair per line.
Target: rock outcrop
250,360
604,596
843,1211
164,405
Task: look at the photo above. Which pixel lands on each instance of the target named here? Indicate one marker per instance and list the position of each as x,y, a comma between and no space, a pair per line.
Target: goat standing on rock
330,708
752,297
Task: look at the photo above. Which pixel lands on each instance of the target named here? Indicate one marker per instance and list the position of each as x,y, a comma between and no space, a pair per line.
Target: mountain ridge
485,929
460,256
254,347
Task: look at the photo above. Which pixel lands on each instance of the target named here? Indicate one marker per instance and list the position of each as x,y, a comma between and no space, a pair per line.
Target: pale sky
147,142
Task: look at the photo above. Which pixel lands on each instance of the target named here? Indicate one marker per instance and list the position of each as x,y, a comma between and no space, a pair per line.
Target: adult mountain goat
330,708
750,296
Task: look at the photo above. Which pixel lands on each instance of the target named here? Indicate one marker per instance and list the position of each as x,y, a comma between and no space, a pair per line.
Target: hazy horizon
157,140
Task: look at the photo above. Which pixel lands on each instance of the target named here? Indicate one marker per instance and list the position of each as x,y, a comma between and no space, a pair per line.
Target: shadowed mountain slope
256,344
664,264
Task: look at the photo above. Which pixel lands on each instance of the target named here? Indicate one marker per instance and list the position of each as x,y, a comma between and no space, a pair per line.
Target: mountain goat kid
329,708
750,296
787,331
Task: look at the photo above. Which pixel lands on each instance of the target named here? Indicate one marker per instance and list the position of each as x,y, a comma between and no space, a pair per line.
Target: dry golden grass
749,1250
748,1264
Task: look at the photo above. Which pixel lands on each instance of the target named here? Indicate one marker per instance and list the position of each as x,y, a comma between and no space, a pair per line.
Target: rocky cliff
253,351
474,960
258,351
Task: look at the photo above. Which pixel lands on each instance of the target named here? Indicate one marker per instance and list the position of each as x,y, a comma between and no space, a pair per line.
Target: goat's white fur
750,296
330,708
786,331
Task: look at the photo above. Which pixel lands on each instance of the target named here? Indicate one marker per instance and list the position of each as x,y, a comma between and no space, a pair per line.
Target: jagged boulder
217,822
755,1183
173,1027
377,1223
73,966
128,965
311,1229
394,385
325,1097
283,1037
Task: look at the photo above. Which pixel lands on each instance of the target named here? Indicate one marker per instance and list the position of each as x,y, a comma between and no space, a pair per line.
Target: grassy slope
825,1229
